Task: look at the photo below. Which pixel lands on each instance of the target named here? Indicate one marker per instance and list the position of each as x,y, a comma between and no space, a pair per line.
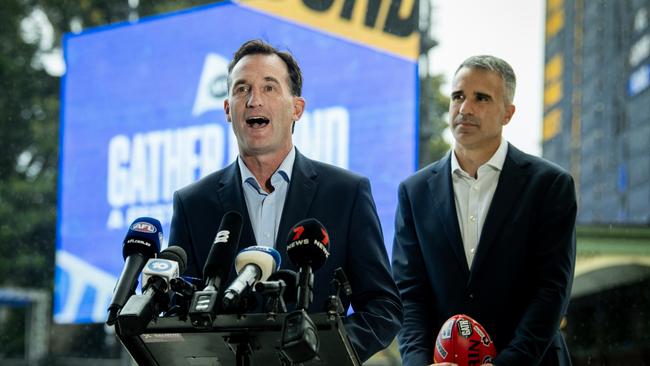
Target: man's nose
254,99
466,107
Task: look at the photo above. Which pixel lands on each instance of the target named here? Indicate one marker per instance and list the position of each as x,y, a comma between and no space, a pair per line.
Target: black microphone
280,288
139,310
223,250
183,293
216,269
253,264
182,287
141,243
307,248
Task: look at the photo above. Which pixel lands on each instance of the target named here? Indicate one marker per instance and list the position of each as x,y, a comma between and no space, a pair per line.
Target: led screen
142,115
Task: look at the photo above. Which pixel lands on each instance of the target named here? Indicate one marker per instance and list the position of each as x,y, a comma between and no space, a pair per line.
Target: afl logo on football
159,265
445,331
143,227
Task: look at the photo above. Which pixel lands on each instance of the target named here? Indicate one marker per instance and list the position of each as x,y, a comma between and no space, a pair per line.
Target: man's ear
298,107
226,109
510,110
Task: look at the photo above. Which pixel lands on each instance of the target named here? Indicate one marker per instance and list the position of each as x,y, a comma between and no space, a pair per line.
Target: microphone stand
334,304
275,302
305,287
300,340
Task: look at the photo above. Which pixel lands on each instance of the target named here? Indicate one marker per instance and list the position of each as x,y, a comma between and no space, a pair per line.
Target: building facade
597,126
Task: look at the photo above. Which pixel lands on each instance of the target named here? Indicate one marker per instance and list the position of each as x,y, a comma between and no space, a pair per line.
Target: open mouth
257,122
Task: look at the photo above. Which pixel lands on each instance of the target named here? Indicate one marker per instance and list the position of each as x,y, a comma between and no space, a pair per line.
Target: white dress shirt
265,209
473,197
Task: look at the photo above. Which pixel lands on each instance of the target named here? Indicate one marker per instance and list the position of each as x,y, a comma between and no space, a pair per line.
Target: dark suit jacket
519,284
343,203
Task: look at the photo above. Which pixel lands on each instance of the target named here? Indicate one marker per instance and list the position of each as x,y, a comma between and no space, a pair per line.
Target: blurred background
73,77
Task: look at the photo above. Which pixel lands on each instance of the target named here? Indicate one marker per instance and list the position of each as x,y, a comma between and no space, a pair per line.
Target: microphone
156,276
170,264
252,264
216,269
281,289
307,248
182,287
222,252
141,243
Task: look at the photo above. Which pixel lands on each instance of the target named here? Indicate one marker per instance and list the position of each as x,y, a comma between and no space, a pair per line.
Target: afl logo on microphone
144,227
159,265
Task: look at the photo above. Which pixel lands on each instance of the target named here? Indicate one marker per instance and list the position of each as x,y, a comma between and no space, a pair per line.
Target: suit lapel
302,189
512,181
445,207
232,199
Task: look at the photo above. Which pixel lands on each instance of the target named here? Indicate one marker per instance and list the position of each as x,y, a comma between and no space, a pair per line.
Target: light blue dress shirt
265,209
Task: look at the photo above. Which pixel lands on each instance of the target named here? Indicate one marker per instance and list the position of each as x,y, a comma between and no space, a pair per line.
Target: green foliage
28,136
433,120
13,343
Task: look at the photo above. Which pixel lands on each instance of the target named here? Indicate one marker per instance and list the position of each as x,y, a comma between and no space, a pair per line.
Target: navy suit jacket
519,283
343,203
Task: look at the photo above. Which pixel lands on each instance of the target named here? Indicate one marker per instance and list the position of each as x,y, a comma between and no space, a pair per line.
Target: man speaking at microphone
274,187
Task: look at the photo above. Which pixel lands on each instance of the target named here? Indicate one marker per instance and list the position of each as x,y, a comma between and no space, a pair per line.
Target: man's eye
269,88
241,89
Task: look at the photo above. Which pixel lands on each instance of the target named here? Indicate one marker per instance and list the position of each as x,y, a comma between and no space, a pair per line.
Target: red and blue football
463,341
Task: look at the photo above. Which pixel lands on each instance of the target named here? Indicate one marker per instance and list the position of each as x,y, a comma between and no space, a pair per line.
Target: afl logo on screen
143,227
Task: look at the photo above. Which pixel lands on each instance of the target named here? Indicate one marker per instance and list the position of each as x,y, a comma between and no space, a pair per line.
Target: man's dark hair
256,47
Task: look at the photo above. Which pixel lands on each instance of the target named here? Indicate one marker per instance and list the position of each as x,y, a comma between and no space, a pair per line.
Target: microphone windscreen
266,258
308,244
176,254
144,237
224,248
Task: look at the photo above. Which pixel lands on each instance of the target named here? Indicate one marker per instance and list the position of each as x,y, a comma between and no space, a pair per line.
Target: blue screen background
129,79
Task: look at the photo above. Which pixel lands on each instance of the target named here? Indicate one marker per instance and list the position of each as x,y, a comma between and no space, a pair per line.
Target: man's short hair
492,63
257,47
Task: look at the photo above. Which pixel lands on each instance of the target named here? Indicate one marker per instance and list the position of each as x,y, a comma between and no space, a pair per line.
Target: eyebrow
266,78
237,83
271,79
484,95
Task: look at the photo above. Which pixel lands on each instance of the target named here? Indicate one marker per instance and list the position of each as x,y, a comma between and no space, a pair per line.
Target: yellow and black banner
389,25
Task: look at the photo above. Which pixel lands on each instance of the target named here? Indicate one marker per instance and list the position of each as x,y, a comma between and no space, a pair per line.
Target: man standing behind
274,187
487,231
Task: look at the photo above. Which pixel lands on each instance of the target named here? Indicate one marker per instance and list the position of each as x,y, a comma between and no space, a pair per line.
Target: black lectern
245,339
